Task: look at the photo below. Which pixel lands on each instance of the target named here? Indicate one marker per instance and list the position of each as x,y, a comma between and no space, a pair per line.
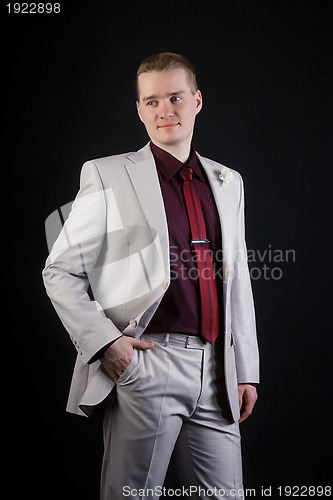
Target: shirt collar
169,166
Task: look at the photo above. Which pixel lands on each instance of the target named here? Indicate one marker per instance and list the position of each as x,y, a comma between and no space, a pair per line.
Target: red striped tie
207,284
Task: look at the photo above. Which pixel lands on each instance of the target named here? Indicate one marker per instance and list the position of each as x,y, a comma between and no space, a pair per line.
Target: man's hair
166,61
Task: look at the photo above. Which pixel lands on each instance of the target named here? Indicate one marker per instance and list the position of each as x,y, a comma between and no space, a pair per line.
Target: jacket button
133,323
165,284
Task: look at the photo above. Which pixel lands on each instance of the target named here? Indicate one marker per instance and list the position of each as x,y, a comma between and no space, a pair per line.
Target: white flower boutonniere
226,175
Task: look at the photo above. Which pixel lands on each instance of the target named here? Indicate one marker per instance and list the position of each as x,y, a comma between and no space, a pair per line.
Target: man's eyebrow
152,97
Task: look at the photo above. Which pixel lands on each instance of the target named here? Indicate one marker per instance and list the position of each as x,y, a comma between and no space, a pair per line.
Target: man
167,342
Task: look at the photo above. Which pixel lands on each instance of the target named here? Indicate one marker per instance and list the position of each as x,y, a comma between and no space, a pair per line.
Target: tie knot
186,173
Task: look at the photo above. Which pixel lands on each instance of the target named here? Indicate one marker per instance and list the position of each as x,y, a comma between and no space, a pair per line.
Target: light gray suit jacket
115,245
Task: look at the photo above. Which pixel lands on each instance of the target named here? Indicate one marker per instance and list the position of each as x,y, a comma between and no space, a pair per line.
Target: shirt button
133,323
165,285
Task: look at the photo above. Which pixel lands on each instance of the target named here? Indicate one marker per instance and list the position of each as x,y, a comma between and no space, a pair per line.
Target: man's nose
166,109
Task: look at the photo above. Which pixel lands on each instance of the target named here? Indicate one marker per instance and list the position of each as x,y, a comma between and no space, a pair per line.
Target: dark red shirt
179,310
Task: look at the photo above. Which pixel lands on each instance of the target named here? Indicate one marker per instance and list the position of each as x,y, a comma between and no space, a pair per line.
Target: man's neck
179,151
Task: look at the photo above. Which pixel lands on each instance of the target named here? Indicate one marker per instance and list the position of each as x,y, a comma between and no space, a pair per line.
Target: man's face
168,108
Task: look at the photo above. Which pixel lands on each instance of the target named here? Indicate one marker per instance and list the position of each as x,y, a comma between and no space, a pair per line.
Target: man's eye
151,103
175,98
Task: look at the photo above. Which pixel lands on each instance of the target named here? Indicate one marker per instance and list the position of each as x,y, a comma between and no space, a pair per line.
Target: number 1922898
33,8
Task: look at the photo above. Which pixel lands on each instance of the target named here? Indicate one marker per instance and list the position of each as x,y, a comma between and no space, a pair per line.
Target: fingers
142,344
115,375
245,413
247,396
240,400
118,355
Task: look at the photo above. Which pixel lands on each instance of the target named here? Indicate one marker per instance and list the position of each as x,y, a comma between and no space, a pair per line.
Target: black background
68,89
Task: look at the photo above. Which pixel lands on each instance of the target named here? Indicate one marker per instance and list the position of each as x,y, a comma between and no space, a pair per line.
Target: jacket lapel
142,171
222,193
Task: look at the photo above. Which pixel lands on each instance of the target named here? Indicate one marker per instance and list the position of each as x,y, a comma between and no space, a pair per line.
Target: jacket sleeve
73,255
243,324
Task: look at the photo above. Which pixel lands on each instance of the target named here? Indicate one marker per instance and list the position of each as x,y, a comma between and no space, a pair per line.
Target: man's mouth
167,126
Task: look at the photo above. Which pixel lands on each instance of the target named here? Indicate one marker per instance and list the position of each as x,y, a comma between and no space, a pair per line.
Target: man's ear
198,101
138,110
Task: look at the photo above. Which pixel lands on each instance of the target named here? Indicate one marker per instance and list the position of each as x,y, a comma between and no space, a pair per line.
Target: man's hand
247,396
116,358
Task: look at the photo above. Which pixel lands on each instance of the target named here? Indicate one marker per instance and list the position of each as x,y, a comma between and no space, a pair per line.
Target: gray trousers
171,398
